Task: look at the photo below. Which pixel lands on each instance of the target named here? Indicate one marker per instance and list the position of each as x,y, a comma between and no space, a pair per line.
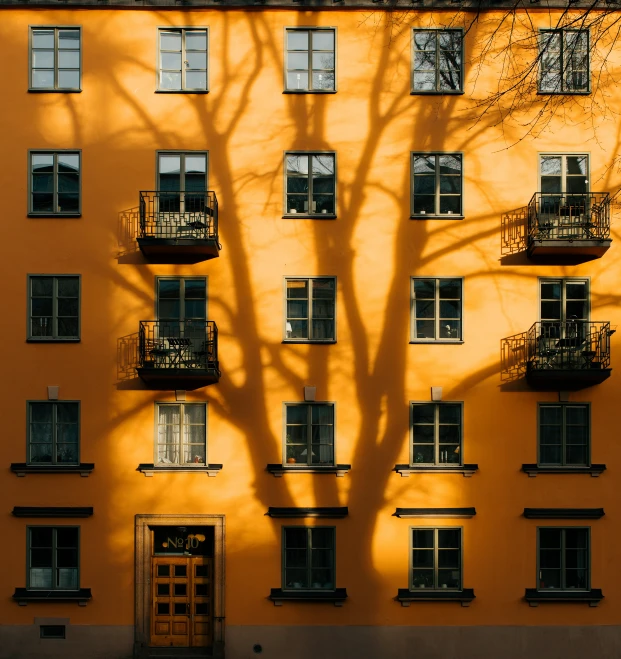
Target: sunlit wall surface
376,242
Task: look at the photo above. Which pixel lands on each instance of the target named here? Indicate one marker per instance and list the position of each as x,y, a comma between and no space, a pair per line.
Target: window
182,187
54,308
55,60
564,434
436,309
436,184
436,558
309,431
308,561
311,184
54,183
310,65
53,433
564,61
53,558
436,433
437,61
181,434
563,558
183,60
311,309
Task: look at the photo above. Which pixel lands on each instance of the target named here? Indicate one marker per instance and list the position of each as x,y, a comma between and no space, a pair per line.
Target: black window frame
54,404
309,69
309,442
437,64
416,212
564,463
437,586
292,213
31,50
308,568
159,69
56,209
54,548
437,319
181,427
310,315
440,460
54,337
563,562
562,74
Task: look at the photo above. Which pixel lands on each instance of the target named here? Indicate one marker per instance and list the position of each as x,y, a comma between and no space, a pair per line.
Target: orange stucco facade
371,373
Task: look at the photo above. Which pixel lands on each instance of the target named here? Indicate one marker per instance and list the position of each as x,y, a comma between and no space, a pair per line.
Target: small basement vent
52,631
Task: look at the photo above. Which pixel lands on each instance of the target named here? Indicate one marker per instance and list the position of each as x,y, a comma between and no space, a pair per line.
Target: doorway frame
144,553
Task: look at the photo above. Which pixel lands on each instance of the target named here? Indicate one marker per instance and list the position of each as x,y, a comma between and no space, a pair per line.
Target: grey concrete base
83,641
361,642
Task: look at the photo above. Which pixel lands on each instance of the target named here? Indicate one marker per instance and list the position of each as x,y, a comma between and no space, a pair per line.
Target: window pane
196,40
68,79
171,61
43,38
170,40
68,39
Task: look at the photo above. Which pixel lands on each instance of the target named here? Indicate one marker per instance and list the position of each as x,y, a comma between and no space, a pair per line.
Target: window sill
534,597
429,216
534,470
313,341
209,469
21,469
405,596
49,339
181,91
467,470
587,93
278,470
309,91
32,90
53,512
456,92
443,342
308,216
55,215
336,596
23,596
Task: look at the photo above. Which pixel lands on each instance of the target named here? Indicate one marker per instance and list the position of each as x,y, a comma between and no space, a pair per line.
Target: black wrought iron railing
574,344
188,344
556,216
177,215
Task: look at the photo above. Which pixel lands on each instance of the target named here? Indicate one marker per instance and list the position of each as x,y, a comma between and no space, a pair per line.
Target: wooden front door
181,589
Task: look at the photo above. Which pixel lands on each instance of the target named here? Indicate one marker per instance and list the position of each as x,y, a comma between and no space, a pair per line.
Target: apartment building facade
311,330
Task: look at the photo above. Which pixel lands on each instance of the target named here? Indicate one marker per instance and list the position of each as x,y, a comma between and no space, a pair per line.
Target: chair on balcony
546,352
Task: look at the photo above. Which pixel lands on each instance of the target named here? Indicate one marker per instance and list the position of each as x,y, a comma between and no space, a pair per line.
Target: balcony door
181,315
182,187
564,315
564,186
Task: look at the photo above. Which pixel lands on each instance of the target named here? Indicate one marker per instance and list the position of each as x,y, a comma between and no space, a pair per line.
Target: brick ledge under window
336,596
534,597
22,468
405,596
533,470
278,469
467,470
24,595
151,469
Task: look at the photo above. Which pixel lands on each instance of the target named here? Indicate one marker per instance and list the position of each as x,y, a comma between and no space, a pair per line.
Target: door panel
181,601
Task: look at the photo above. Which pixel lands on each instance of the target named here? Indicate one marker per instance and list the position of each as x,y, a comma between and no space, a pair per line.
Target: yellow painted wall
373,248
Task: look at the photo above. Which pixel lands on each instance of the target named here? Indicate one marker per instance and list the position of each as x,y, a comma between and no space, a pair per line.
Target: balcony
178,354
569,225
178,226
567,355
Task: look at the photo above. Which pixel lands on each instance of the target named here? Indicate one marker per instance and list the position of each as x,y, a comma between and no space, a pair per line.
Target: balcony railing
568,355
177,223
569,223
183,354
